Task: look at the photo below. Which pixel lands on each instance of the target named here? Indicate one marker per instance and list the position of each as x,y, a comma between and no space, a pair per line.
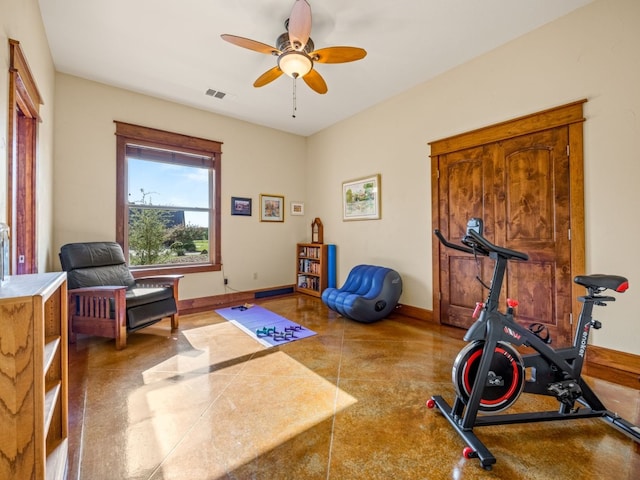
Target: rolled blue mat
331,266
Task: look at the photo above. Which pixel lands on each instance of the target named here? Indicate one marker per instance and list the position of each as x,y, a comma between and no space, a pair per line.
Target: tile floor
349,403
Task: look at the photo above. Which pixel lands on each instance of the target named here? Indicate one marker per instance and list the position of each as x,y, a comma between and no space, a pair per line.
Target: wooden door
462,195
521,188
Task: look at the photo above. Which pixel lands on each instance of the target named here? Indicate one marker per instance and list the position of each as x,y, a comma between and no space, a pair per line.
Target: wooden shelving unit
33,377
311,268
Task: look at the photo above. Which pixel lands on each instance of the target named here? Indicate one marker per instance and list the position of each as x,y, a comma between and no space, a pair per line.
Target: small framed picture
297,208
241,206
361,198
271,208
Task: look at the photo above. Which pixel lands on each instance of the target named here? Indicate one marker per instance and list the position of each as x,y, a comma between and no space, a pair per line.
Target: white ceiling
172,49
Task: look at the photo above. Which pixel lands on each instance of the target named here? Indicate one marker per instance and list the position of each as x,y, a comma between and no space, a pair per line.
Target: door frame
570,116
23,118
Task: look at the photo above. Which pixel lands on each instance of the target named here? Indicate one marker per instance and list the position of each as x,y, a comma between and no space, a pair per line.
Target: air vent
215,93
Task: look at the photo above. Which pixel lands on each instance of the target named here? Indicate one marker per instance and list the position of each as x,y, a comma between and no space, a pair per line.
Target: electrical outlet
226,281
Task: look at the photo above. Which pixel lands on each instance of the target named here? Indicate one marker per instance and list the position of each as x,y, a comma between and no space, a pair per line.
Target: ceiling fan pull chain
295,106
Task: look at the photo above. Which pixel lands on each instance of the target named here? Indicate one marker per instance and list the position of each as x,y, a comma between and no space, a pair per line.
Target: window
168,198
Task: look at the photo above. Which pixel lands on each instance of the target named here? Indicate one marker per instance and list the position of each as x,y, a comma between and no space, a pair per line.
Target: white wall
20,20
591,53
255,160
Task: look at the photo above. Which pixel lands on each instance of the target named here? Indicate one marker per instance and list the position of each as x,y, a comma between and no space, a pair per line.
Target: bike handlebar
476,243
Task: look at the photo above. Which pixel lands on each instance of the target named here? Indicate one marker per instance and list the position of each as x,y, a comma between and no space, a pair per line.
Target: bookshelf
311,268
34,390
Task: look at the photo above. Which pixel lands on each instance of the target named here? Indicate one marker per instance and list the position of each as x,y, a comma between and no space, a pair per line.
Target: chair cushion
94,264
113,275
136,296
90,254
147,305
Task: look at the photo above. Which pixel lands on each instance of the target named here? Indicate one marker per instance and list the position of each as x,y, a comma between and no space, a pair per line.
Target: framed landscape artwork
240,206
271,208
361,198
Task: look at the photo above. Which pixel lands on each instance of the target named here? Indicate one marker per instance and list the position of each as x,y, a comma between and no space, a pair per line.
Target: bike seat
602,281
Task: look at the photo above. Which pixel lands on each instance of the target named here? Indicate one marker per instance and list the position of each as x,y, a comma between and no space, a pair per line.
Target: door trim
569,115
24,115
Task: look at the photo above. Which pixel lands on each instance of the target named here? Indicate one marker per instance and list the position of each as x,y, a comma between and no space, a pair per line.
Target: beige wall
255,160
21,21
591,53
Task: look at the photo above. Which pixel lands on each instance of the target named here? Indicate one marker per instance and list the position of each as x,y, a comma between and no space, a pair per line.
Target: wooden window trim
129,134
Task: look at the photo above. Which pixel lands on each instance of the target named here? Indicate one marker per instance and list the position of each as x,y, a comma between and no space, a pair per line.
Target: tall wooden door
521,188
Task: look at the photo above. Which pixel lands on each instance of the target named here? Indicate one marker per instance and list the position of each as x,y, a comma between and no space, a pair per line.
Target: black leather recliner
106,300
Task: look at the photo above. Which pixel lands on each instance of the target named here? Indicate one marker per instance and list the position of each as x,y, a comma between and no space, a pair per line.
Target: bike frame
547,366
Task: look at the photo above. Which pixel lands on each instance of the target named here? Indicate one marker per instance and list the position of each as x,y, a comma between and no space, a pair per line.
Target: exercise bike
489,374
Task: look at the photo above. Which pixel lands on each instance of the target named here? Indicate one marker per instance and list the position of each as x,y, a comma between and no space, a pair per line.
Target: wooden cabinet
33,377
311,268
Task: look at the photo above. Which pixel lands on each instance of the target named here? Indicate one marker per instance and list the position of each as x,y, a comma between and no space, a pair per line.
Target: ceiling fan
295,51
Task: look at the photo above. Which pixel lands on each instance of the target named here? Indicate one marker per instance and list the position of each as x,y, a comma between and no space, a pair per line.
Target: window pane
176,175
168,213
155,183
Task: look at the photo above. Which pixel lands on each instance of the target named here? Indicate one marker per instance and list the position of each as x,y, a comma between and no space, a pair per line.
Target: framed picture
297,208
361,198
271,208
240,206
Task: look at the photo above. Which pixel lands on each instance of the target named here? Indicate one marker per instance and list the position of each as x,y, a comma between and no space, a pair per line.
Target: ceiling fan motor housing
284,44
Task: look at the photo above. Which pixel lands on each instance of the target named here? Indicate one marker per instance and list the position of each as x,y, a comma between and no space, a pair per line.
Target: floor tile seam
204,411
193,425
336,401
381,338
81,442
283,375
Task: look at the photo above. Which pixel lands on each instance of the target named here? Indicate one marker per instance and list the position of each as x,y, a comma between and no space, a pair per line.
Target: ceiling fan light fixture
295,64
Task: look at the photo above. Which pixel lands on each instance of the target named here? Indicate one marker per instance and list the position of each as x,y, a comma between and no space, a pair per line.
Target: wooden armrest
97,302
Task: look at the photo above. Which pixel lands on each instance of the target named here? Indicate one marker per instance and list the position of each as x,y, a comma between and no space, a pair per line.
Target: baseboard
614,366
202,304
415,312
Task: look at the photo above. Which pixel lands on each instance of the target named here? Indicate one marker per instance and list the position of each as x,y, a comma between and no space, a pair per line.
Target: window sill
138,272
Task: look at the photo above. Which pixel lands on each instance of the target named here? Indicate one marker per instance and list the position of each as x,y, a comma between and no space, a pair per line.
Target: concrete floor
209,402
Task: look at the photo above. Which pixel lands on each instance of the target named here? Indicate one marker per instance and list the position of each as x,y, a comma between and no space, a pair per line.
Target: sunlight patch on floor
227,400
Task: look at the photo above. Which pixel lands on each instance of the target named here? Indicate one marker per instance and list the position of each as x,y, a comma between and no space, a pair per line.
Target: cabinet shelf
51,346
311,268
51,398
33,313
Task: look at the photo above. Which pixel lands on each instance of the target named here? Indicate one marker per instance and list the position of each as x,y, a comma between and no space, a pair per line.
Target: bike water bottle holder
541,331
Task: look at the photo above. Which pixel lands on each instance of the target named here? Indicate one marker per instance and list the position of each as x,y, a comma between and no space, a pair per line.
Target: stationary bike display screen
474,224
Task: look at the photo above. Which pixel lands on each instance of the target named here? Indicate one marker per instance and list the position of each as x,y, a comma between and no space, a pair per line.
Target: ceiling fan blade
268,77
251,44
338,54
315,82
300,24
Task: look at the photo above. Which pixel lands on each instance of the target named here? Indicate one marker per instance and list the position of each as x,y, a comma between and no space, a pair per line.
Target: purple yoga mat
268,328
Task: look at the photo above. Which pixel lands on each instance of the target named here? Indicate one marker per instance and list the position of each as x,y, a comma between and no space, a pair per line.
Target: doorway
524,178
